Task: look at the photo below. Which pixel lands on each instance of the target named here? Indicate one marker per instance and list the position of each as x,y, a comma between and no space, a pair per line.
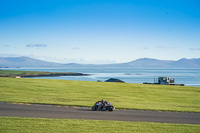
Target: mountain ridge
139,63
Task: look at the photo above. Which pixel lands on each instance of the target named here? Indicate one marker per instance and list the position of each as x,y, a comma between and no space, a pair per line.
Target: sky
100,31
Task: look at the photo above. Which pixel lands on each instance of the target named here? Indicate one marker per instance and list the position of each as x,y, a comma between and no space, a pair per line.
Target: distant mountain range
140,63
25,62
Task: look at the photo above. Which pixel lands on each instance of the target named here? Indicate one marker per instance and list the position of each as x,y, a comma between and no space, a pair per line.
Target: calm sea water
189,77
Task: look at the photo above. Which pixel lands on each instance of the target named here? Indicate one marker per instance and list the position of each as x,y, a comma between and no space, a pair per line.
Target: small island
15,73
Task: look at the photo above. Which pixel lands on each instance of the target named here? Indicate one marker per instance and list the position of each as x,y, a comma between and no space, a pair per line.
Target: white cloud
75,60
76,48
194,49
145,48
36,45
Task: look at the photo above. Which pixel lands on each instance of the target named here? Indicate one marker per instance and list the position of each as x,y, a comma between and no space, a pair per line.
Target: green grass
14,73
85,93
42,125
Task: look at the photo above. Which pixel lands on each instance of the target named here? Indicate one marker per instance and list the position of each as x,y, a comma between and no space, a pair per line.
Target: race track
50,111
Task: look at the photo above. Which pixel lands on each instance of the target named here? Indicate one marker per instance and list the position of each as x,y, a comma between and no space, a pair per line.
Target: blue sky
100,31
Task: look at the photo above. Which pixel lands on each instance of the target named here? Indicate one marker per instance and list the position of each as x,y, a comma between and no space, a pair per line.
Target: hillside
25,62
154,63
85,93
150,63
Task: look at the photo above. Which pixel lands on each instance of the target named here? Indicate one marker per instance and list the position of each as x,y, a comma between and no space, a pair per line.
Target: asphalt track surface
52,111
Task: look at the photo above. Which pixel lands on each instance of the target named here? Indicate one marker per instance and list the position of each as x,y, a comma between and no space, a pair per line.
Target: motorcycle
101,107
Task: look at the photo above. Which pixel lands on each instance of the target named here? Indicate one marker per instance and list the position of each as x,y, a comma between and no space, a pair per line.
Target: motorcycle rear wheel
94,108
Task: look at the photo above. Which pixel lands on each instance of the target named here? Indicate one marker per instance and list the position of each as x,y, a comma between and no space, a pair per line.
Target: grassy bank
14,73
85,93
41,125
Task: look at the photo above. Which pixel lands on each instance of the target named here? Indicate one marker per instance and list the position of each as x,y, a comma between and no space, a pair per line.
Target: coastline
22,74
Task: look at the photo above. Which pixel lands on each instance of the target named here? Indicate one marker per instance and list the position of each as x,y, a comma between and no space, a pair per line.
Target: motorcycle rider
104,103
101,104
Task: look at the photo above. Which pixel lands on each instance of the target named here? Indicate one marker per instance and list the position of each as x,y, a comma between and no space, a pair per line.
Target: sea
189,77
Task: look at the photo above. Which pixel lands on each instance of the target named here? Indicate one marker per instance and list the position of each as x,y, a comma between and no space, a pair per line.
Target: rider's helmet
102,100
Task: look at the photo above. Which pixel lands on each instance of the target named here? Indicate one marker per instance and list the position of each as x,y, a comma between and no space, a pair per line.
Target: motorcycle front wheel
111,108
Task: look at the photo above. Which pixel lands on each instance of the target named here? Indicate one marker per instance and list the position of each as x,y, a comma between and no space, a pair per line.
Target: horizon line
97,63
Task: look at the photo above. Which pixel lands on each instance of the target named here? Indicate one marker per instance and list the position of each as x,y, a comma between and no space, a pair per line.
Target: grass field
85,93
41,125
